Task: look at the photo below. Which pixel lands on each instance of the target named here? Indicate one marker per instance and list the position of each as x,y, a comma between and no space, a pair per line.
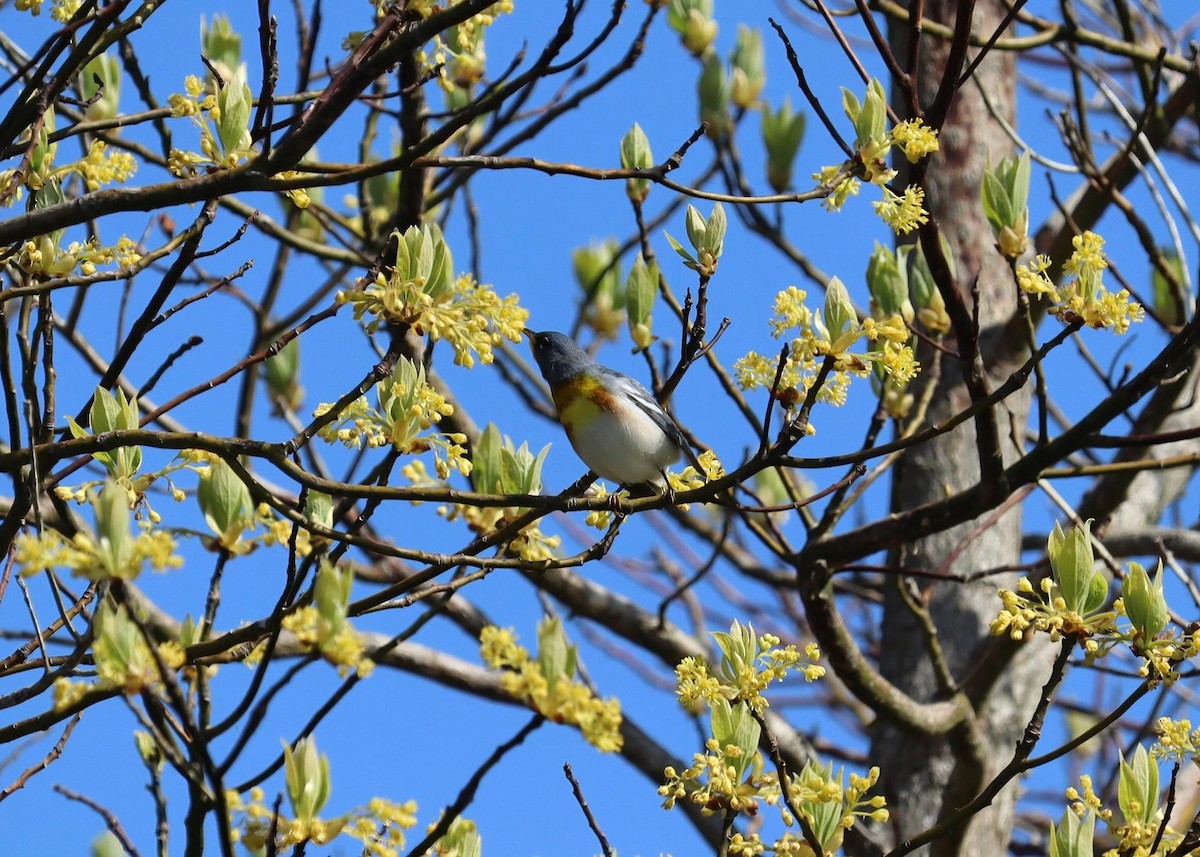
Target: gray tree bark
927,778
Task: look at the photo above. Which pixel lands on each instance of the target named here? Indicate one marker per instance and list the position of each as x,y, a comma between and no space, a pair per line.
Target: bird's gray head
557,355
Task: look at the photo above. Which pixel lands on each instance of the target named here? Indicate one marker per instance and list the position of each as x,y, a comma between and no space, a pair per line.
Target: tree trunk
926,779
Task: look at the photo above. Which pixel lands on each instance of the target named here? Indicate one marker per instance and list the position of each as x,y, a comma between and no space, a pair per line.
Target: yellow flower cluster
839,183
100,167
1134,830
42,255
915,138
530,544
1084,296
833,805
830,807
408,406
1176,739
1024,612
342,647
122,656
1161,656
556,696
380,826
729,777
278,531
60,10
471,316
903,213
695,683
812,341
222,145
86,556
711,783
299,196
689,479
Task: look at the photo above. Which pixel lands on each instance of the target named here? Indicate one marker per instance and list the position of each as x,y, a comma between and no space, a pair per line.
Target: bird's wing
646,401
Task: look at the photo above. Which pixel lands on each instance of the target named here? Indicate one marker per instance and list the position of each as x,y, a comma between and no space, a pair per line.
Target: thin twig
587,811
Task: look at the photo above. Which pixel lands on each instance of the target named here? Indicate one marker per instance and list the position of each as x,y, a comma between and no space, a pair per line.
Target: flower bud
1074,565
1170,299
735,726
1144,602
838,315
1137,790
111,412
713,93
707,237
641,290
42,156
111,506
318,508
233,126
887,278
636,155
100,85
307,775
1005,197
331,597
461,840
748,76
868,117
556,657
423,260
783,131
222,46
931,307
693,20
598,272
282,370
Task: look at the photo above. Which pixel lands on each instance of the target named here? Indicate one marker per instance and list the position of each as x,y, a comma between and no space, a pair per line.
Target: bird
613,422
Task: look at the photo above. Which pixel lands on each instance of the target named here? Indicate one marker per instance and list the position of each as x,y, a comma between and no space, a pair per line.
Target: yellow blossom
551,688
838,183
425,296
915,138
903,213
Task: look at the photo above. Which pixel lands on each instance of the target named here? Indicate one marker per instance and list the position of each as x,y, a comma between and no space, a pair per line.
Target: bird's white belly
627,447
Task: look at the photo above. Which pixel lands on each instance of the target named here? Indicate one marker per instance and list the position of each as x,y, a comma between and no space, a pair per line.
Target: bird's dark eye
541,341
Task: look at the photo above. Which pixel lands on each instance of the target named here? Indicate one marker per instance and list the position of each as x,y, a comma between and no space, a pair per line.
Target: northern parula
612,421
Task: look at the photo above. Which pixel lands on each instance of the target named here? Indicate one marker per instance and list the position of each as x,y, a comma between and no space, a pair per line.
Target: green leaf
1137,789
641,290
1145,604
1074,564
485,461
636,155
713,93
783,131
225,502
851,105
838,312
678,248
1072,837
714,232
555,656
1167,295
233,128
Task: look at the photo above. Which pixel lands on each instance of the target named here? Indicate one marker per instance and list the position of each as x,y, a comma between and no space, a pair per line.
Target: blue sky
396,735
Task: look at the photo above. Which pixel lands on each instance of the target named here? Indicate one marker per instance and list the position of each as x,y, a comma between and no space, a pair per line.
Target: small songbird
612,421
